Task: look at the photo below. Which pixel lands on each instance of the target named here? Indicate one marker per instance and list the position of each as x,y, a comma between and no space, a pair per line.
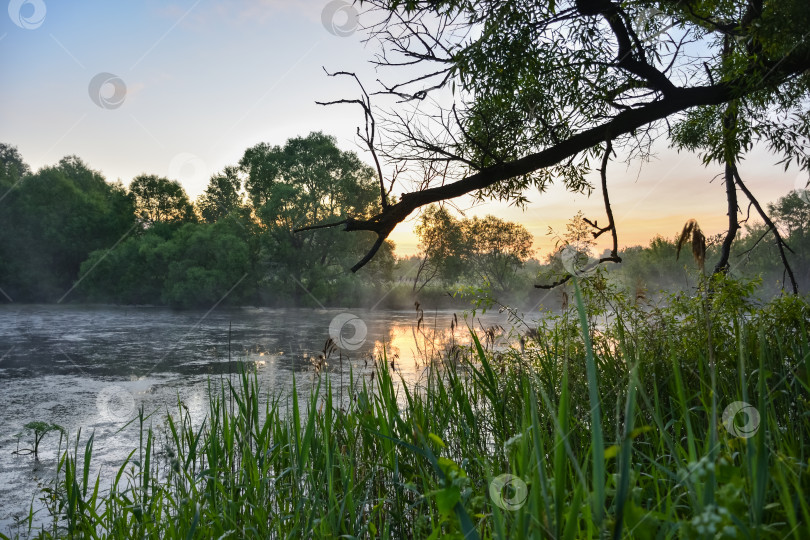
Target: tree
159,199
206,262
321,180
441,247
135,272
193,265
307,183
51,221
12,171
222,197
483,250
251,248
541,88
495,249
792,213
12,168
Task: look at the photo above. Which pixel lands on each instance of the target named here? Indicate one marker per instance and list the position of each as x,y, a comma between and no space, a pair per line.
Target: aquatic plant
39,429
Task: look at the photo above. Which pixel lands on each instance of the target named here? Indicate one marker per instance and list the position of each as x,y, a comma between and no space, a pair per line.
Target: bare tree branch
370,129
780,242
614,254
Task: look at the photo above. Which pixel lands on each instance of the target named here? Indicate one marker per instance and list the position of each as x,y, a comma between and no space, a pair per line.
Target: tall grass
614,425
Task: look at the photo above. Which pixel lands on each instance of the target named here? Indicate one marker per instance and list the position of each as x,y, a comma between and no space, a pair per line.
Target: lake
91,368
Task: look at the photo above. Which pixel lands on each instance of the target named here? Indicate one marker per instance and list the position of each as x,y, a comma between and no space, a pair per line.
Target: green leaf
435,438
446,500
639,430
597,439
450,468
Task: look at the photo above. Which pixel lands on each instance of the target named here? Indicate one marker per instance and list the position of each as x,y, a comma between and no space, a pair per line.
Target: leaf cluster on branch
539,89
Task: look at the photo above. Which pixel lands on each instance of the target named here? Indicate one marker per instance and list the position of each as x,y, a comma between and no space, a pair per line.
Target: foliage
306,182
237,245
133,272
50,221
39,429
89,244
441,246
205,263
496,249
161,200
13,167
482,250
222,197
792,212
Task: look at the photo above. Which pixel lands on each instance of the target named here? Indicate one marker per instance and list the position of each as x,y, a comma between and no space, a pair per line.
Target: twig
370,128
614,254
780,242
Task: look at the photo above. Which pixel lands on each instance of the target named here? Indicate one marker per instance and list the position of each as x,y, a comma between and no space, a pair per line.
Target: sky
182,88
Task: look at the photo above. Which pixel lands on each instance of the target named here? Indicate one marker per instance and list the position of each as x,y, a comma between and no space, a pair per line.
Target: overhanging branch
624,122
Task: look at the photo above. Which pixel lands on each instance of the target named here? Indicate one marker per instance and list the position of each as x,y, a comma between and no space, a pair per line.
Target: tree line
448,260
66,234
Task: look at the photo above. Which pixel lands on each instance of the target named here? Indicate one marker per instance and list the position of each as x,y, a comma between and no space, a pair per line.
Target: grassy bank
610,422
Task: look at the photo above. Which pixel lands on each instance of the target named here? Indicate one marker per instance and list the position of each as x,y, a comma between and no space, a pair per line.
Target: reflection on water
91,368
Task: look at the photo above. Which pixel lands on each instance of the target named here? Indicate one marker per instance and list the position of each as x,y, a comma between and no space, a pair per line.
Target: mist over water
91,368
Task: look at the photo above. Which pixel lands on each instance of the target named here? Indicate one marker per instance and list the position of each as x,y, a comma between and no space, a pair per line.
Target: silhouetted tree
159,199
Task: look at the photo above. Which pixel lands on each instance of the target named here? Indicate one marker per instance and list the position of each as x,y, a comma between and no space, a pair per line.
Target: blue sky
206,79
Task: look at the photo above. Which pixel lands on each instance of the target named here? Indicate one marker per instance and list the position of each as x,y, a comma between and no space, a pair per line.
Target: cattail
692,230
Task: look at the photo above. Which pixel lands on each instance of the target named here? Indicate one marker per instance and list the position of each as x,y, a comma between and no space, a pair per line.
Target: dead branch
370,129
585,270
614,253
780,242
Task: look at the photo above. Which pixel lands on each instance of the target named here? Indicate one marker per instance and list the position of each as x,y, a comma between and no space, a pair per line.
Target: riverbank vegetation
619,418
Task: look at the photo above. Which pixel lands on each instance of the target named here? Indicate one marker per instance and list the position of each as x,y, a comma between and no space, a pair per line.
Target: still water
91,368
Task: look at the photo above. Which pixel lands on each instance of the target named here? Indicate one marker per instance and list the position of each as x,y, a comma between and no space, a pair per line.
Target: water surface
91,368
